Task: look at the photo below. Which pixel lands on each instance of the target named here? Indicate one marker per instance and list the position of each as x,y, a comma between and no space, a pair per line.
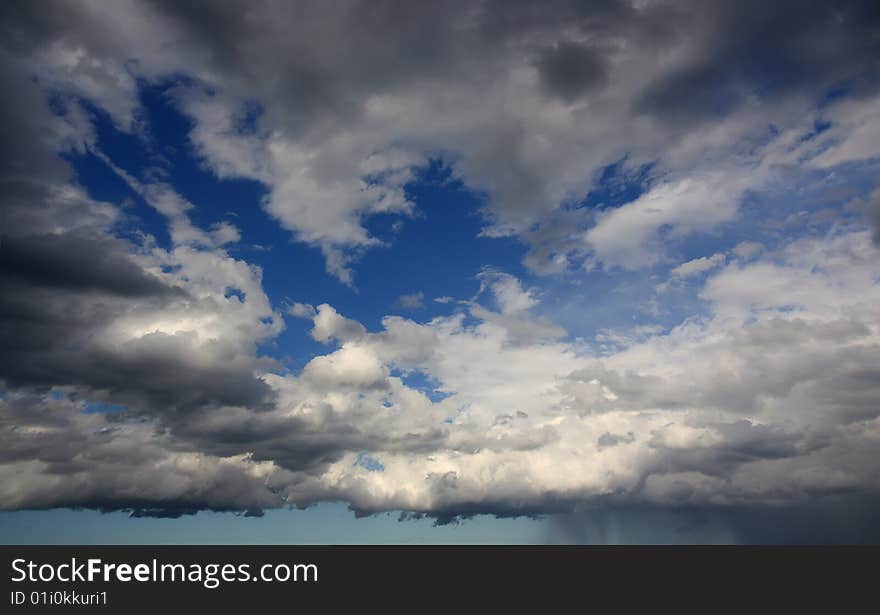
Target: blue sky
606,274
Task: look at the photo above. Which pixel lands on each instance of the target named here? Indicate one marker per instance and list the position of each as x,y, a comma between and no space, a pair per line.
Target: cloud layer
132,371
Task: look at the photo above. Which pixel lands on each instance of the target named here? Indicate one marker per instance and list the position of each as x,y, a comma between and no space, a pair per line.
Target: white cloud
755,388
412,301
302,310
507,290
756,403
853,136
747,249
698,266
350,366
329,325
629,236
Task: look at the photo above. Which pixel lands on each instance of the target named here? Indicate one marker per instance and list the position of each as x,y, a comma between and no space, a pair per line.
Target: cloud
56,456
301,310
755,405
110,317
629,236
853,137
350,366
70,262
412,301
766,398
570,70
609,439
747,249
870,207
528,108
330,325
704,411
508,292
698,266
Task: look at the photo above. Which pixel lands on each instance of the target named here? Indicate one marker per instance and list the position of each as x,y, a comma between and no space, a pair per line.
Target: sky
459,272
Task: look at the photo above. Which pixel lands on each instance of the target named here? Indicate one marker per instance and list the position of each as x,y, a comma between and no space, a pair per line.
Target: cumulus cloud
719,412
757,404
508,292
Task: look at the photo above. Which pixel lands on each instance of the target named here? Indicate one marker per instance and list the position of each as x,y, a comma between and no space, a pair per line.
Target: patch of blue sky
808,202
618,183
439,251
101,407
599,301
232,291
369,463
422,382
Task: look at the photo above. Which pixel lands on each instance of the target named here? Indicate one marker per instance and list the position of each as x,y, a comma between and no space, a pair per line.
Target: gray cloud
609,439
769,51
570,70
872,210
72,263
55,456
66,279
56,319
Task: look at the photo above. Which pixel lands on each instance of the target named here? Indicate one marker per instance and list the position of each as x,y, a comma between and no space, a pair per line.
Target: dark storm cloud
23,116
47,337
333,54
26,27
766,50
570,70
740,443
54,456
65,278
292,443
74,263
59,295
342,51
